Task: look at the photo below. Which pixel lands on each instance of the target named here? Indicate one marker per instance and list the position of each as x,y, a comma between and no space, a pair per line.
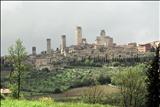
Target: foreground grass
27,103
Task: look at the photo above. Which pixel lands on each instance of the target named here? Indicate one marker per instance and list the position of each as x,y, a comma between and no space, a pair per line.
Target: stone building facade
104,40
144,47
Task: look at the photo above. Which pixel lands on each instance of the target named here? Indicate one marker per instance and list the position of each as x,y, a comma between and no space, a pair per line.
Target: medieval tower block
103,33
78,35
63,43
33,50
48,46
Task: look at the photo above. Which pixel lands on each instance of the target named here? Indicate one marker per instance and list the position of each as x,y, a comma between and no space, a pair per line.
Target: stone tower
63,42
103,33
33,50
48,46
78,35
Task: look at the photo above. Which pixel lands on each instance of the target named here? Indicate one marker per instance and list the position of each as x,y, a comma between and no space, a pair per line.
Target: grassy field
27,103
75,93
79,91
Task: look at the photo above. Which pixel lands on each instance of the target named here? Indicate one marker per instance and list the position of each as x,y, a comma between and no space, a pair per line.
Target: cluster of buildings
148,46
101,41
103,47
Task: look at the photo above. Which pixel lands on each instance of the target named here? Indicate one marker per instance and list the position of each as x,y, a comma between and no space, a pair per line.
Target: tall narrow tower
33,50
103,33
48,46
63,42
78,35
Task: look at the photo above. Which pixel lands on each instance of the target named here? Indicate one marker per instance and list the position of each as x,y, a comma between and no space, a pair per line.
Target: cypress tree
153,82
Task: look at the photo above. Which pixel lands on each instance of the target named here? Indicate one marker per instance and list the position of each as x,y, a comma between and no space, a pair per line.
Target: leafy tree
104,79
152,49
132,85
87,62
153,82
93,95
17,55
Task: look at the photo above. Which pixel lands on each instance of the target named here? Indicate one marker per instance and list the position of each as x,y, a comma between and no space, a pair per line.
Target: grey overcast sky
34,21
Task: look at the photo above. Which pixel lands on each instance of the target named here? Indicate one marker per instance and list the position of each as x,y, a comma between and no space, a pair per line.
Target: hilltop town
103,48
80,54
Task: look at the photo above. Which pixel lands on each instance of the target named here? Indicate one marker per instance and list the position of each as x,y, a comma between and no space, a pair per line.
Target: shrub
112,99
13,88
47,100
57,90
116,64
46,69
93,95
131,81
104,79
2,96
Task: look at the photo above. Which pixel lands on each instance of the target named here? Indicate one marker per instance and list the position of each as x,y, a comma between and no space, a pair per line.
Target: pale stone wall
141,48
41,62
132,44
